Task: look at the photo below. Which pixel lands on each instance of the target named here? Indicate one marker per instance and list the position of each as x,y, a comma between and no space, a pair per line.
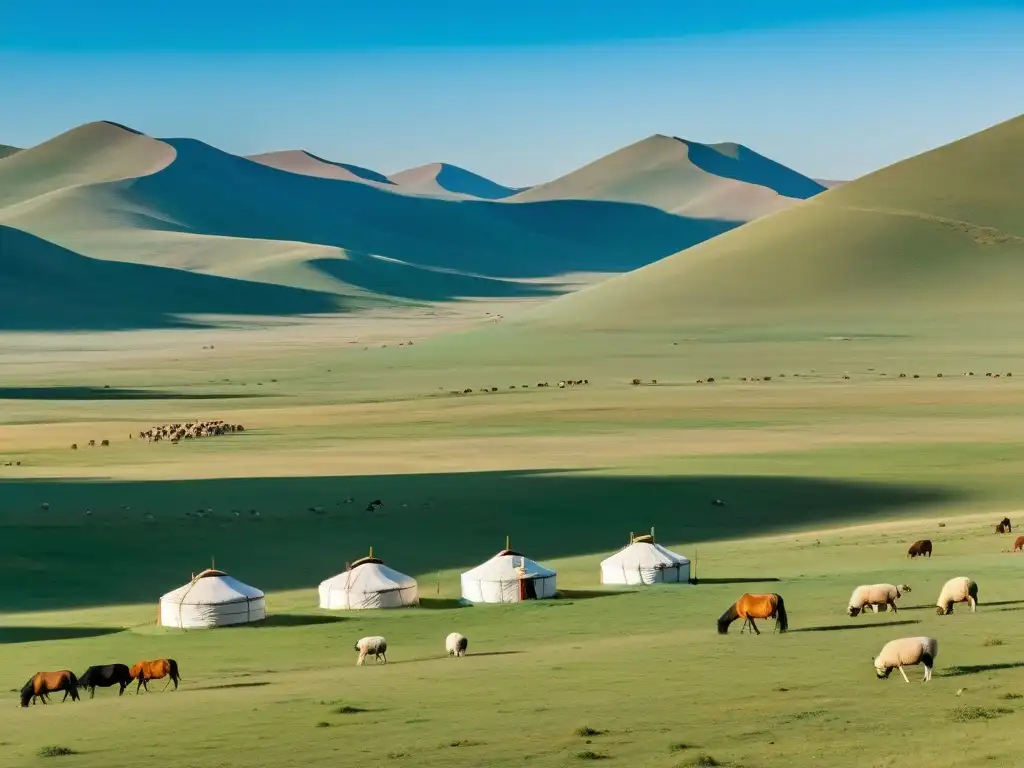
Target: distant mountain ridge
441,178
438,233
725,181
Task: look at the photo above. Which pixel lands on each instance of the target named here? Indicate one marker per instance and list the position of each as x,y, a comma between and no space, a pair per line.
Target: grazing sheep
907,652
960,589
875,595
456,644
376,645
920,548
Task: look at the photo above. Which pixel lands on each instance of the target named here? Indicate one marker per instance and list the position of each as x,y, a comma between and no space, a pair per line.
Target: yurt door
527,589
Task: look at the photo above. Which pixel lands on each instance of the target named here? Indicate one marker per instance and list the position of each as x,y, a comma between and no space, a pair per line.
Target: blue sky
518,91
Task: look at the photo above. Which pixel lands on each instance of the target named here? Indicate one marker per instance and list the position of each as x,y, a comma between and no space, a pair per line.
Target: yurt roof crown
364,560
645,538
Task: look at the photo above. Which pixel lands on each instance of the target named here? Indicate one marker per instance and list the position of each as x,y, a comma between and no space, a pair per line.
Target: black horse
104,677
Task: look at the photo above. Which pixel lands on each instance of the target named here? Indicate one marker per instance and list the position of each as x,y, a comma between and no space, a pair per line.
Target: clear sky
518,90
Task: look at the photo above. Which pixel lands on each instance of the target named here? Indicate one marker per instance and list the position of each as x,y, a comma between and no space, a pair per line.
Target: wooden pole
439,582
371,550
507,544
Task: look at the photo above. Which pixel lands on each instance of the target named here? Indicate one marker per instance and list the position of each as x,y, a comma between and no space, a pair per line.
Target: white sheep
957,590
875,595
456,644
907,651
376,645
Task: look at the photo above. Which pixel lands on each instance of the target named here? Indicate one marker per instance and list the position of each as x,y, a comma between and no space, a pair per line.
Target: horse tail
727,618
175,675
782,620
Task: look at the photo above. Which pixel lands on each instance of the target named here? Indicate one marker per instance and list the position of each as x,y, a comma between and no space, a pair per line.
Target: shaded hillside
724,181
6,150
936,241
205,192
46,287
301,161
444,179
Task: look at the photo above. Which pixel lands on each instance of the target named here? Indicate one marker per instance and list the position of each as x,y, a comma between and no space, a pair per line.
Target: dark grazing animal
43,683
920,548
750,607
1004,526
104,676
145,671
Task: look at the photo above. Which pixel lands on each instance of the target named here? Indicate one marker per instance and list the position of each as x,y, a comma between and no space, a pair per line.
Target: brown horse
920,548
1018,545
43,683
750,607
145,671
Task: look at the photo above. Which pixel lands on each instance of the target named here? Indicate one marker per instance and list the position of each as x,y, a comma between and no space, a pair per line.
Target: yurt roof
639,551
371,575
503,566
212,587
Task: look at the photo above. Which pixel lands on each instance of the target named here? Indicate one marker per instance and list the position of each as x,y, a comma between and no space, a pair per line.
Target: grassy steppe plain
826,481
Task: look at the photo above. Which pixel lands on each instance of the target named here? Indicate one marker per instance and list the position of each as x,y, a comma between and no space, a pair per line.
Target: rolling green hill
940,235
6,150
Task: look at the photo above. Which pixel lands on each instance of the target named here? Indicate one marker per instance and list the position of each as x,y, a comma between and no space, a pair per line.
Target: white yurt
368,583
508,577
643,561
212,599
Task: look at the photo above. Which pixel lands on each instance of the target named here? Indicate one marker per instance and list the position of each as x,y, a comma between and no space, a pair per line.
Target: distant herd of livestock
897,654
173,433
540,385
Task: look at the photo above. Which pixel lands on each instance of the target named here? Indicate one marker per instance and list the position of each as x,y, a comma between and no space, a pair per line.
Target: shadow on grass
111,393
590,594
442,603
736,580
554,514
957,608
469,654
844,627
975,669
9,635
293,620
496,653
258,684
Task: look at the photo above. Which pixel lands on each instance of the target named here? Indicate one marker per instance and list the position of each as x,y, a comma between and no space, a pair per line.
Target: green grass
546,666
640,673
